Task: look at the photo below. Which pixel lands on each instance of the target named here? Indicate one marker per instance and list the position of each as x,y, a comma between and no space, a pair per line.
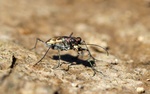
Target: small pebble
148,79
140,90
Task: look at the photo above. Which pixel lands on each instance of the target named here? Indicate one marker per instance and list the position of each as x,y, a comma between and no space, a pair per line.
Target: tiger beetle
62,43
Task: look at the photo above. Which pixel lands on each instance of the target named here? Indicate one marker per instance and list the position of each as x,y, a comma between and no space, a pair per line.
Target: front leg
93,68
91,60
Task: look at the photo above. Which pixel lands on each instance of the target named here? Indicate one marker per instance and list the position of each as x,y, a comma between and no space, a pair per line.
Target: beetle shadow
71,59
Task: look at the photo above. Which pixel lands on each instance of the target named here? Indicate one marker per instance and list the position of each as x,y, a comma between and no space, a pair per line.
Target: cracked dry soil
121,26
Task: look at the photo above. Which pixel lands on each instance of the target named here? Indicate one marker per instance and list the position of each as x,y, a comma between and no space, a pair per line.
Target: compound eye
78,39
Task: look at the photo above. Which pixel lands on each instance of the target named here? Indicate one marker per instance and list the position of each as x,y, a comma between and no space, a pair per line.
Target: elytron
66,43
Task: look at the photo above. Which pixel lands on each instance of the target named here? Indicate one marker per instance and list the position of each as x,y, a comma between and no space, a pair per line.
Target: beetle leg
42,57
93,60
37,42
94,70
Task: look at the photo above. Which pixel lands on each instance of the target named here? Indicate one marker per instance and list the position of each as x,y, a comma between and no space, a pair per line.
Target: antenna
71,34
98,46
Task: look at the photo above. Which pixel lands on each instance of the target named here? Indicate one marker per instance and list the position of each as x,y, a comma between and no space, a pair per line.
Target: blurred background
122,26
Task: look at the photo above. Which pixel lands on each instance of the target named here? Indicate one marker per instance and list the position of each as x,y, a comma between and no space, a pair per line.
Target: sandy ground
121,26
